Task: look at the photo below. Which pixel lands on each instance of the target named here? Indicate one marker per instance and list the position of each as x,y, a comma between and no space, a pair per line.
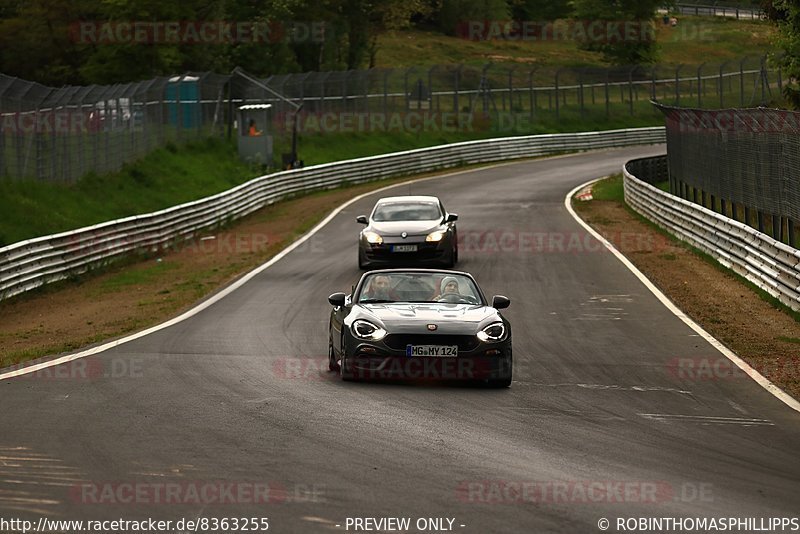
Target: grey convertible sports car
419,324
408,230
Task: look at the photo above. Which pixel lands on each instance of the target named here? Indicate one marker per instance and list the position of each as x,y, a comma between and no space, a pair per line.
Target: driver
449,286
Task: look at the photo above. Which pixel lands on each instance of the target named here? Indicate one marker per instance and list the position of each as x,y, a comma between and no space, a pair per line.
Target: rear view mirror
337,299
362,219
499,302
451,217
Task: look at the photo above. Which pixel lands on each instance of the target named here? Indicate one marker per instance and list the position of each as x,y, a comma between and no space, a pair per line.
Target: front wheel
333,365
344,373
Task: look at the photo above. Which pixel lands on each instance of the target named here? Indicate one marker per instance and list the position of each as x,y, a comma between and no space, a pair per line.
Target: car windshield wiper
375,301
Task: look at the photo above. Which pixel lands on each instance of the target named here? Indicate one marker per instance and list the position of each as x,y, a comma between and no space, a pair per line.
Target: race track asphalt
604,418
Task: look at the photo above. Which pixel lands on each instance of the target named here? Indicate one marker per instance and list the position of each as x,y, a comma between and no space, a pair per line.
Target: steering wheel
454,298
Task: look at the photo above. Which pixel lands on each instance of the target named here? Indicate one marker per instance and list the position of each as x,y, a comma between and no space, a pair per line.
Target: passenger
380,288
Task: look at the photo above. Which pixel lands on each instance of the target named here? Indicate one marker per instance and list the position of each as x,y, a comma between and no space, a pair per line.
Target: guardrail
769,264
752,13
29,264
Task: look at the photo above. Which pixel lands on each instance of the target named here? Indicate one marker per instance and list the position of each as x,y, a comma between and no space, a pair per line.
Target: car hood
449,318
411,227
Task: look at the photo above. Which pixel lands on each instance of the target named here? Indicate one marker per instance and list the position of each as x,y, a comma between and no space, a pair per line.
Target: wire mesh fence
743,163
514,93
61,134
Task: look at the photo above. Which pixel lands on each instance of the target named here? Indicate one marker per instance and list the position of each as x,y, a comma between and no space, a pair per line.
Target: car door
338,314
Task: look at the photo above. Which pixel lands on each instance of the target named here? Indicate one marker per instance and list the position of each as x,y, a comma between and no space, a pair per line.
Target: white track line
741,364
237,284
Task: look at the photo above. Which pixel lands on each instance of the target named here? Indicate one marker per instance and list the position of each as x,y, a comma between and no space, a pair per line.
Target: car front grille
399,341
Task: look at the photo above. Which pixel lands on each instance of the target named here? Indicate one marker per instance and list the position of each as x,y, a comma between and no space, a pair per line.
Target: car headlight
373,238
366,330
435,236
493,332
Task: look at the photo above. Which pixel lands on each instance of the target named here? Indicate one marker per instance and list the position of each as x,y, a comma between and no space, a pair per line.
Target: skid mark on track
602,308
707,419
613,387
26,475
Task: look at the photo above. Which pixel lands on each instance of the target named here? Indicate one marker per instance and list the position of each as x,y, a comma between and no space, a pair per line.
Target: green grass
162,179
609,189
693,41
136,277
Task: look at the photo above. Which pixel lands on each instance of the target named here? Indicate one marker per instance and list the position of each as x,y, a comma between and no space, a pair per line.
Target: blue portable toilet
183,101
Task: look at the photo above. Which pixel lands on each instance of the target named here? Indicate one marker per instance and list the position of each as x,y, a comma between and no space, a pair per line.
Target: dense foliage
786,14
46,41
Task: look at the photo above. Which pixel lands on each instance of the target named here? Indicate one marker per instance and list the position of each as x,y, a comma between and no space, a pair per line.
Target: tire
332,363
499,383
344,374
361,264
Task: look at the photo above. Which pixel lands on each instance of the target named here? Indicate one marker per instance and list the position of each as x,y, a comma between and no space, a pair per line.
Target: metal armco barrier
28,264
769,264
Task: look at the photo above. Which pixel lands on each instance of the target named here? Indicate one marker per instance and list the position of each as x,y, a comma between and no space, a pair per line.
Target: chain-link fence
743,163
525,94
61,134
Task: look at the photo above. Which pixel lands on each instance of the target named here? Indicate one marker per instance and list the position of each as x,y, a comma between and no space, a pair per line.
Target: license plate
436,351
404,248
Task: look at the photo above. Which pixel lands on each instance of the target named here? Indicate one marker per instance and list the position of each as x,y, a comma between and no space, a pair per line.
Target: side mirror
451,217
499,302
337,299
362,219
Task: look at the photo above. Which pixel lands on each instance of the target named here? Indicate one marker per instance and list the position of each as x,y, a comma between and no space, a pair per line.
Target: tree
639,14
786,15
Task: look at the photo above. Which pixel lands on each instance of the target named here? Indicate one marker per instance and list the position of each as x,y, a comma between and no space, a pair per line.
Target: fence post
558,107
532,95
721,67
510,90
700,85
741,81
630,89
457,83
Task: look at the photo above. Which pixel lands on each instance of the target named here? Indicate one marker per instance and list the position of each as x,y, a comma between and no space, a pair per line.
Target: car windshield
406,211
418,287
